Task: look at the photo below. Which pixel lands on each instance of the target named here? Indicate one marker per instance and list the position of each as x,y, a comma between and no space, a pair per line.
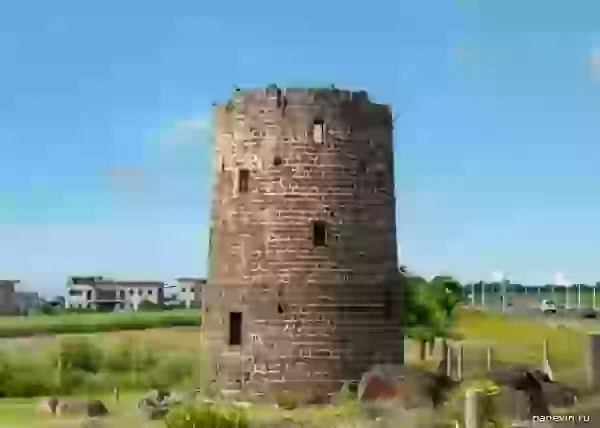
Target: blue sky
105,136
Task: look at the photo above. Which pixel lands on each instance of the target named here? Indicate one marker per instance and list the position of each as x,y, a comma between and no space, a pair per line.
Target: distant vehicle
588,313
548,307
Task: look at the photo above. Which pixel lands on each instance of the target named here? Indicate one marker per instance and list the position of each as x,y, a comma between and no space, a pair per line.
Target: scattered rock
48,405
153,405
96,408
540,390
156,404
409,386
74,406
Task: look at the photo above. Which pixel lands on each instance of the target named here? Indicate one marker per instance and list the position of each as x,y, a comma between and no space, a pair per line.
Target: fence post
489,358
448,356
59,370
472,417
460,362
593,361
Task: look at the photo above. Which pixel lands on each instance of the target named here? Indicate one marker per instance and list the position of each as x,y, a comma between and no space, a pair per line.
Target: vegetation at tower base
430,307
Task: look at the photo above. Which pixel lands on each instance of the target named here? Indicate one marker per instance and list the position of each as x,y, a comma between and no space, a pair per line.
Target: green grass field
15,326
515,339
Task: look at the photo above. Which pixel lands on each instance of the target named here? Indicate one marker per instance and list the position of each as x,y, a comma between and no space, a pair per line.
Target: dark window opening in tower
235,328
277,161
243,180
279,308
318,130
319,235
222,166
362,167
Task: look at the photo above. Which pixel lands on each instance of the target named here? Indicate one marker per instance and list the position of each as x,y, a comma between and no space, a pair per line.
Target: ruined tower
302,287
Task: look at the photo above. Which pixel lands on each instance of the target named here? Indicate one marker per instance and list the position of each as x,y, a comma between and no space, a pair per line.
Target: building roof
136,283
191,279
100,281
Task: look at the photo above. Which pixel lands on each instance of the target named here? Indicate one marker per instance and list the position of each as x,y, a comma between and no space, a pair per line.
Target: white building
99,292
189,290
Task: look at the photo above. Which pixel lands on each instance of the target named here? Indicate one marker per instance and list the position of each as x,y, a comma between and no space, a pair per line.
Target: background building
190,291
100,292
302,289
7,296
26,301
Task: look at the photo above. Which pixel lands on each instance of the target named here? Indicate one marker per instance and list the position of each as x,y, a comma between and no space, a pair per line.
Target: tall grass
75,365
14,326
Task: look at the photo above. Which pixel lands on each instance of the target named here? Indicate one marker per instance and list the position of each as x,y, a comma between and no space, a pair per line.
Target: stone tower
302,287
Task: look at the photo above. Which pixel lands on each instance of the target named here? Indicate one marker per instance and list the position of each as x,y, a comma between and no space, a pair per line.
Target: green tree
429,307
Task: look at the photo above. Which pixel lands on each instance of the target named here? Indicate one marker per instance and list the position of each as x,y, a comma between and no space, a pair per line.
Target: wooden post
444,356
460,362
59,370
593,361
472,419
448,361
489,358
545,350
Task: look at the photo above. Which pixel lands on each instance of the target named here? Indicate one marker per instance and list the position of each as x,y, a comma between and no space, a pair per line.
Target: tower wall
312,315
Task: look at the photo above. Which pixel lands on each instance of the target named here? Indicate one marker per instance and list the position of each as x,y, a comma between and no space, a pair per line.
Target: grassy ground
18,413
519,339
514,339
14,326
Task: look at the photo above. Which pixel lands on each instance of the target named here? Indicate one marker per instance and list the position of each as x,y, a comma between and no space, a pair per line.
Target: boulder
537,386
76,407
409,386
156,404
47,405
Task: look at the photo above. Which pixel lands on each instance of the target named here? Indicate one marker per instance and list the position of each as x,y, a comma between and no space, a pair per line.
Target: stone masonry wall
311,315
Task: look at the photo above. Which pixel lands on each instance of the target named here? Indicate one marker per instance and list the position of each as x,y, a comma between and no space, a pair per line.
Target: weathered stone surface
286,159
154,405
47,405
157,403
77,407
409,387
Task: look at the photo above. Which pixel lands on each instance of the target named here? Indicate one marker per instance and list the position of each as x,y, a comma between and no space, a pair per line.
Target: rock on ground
72,406
48,405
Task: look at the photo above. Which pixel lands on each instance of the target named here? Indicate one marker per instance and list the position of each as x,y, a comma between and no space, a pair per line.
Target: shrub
171,370
148,306
207,416
120,357
79,354
78,365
